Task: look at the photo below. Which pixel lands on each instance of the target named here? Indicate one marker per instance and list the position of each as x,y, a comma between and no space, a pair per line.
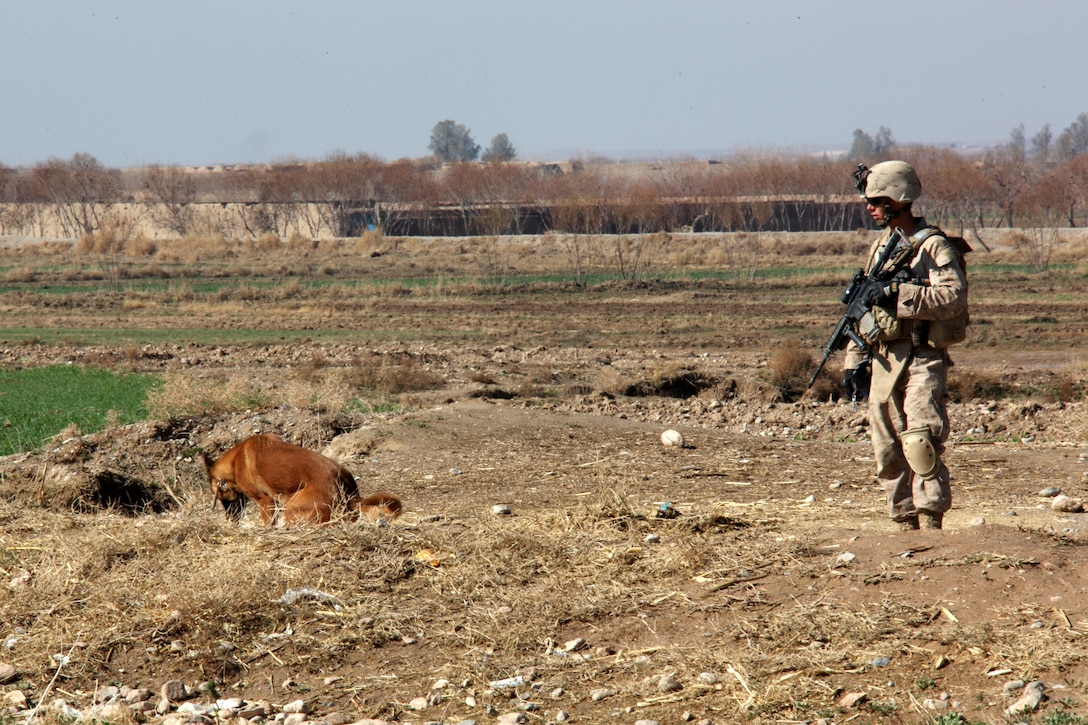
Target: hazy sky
232,81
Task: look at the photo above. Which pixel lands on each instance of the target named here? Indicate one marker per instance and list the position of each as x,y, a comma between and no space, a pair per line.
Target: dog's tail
378,506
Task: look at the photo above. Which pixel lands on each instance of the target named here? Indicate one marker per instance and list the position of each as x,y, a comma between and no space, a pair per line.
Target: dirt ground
749,575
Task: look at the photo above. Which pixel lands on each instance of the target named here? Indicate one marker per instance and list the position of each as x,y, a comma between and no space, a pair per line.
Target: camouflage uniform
909,386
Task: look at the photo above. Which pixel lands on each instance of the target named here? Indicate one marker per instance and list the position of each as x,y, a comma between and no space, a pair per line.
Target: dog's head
221,479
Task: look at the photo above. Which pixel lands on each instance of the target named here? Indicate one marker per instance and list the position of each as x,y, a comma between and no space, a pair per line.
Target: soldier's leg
892,471
925,406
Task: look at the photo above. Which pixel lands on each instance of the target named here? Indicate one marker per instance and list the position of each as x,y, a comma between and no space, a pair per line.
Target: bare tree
175,191
82,191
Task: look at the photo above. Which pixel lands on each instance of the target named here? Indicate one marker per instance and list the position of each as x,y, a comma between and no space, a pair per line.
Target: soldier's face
882,209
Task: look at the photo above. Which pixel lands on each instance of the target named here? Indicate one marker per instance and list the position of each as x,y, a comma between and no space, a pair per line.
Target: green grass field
38,403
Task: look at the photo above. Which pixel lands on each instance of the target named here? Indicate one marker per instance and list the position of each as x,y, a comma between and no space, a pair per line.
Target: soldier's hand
885,296
855,382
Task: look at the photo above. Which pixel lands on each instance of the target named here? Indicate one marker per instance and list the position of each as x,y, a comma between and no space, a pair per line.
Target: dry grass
189,590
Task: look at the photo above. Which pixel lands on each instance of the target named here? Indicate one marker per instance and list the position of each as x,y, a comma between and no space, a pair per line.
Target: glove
885,296
855,381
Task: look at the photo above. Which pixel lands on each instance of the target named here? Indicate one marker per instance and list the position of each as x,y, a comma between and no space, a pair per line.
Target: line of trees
1019,184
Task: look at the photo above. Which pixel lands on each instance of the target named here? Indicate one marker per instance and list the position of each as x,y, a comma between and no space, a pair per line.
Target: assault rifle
895,257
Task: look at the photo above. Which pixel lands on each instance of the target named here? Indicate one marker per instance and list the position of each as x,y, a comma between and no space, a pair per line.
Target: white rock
672,438
500,509
15,699
1033,695
1066,504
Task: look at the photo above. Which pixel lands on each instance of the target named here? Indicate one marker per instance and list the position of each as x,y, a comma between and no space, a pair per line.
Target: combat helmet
895,180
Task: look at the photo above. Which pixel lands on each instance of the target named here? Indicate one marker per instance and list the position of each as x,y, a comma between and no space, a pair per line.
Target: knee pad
919,451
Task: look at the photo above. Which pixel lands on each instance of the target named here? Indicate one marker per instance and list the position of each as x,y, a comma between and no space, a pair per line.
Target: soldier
917,316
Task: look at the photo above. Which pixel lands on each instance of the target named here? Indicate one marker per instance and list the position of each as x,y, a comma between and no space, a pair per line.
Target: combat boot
908,524
930,519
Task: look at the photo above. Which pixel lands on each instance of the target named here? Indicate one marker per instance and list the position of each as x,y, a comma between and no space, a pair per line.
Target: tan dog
306,485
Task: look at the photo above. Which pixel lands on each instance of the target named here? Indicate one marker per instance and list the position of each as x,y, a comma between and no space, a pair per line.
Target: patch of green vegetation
1063,715
952,718
38,403
371,407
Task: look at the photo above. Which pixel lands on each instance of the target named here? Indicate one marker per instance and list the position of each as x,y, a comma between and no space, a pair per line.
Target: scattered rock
602,694
672,439
1050,491
1066,504
853,699
16,699
7,673
501,509
1029,701
668,683
175,691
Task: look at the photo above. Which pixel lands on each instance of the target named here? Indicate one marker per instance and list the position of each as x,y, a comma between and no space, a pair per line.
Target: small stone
668,683
647,722
672,439
708,678
417,704
562,716
511,718
935,705
337,718
250,710
1066,504
296,706
977,521
1013,685
1028,702
175,691
602,693
1050,491
295,718
140,694
881,662
501,509
7,673
852,699
15,699
110,712
574,644
653,538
